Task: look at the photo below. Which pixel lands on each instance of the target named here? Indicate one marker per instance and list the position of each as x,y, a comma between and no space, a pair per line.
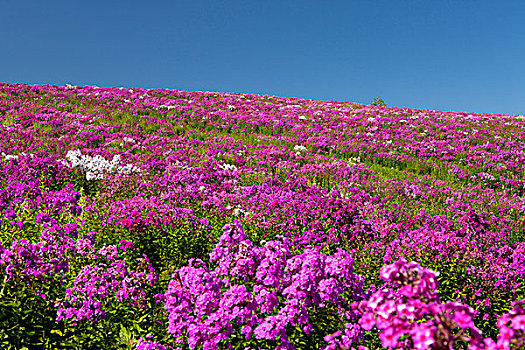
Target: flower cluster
258,290
95,167
96,287
511,331
25,262
299,150
411,316
8,157
512,325
146,344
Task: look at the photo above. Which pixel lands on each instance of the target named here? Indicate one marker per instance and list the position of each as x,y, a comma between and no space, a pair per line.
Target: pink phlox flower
506,332
463,320
382,322
423,337
367,321
264,331
409,291
387,271
374,300
405,311
518,322
389,337
330,337
386,309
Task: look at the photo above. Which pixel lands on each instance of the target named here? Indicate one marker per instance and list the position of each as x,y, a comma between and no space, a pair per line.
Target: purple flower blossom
277,290
95,287
145,344
395,311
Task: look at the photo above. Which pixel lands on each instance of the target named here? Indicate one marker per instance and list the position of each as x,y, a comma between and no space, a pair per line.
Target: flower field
166,219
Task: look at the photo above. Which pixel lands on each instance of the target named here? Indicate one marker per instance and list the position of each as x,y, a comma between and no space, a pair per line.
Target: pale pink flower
386,309
405,311
374,300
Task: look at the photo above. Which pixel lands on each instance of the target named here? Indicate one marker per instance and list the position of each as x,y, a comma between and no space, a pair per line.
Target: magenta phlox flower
146,344
406,311
97,287
382,322
518,322
108,251
44,219
461,314
423,336
343,339
84,247
125,245
258,291
386,309
26,262
389,337
511,330
273,260
234,254
375,300
367,321
266,299
265,330
234,297
387,271
414,309
329,290
194,293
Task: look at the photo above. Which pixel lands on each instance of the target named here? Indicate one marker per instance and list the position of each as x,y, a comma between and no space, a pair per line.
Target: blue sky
432,54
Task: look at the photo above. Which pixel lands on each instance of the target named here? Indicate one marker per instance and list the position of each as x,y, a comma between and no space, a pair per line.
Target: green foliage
123,326
324,321
378,101
28,320
172,247
89,188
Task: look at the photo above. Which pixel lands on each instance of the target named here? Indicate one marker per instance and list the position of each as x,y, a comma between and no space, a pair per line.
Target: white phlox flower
95,167
300,150
228,167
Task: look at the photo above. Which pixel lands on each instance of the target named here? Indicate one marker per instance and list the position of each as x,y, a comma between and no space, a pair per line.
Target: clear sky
432,54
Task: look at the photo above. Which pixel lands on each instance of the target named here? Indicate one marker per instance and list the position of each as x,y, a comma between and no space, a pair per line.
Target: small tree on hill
378,101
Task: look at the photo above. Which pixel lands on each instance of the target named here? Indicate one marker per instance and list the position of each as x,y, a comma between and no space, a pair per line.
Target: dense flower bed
158,219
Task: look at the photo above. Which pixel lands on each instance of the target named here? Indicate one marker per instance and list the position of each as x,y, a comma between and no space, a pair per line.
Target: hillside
298,214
